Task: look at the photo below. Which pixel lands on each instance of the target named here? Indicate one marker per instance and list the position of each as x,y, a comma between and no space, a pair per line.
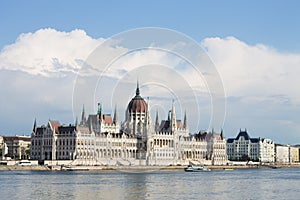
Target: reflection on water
237,184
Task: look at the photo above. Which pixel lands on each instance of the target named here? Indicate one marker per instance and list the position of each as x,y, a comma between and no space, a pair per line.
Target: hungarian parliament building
100,139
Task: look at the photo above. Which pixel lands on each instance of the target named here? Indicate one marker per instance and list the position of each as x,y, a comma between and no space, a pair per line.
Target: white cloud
48,52
254,70
247,70
261,84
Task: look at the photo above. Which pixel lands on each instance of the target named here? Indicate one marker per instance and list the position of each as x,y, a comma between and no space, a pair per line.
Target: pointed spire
76,122
137,92
99,114
221,135
173,109
99,109
173,117
83,118
115,115
184,120
147,112
156,121
34,125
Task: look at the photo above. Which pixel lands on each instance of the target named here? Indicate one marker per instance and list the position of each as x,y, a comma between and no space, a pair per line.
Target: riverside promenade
16,167
136,168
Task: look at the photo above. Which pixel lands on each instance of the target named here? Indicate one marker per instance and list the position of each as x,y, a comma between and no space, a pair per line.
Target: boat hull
196,169
76,169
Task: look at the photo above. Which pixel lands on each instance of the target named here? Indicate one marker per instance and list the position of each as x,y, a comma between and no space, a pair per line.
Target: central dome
137,104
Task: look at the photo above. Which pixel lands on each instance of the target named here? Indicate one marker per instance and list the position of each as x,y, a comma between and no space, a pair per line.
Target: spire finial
76,121
83,118
173,118
115,115
221,135
34,125
137,92
156,121
184,120
99,109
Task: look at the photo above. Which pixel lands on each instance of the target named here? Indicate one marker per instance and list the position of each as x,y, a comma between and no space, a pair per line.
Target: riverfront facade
100,139
286,154
16,147
243,148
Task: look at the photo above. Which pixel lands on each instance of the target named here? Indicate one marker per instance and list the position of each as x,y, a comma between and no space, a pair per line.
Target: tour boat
77,169
74,168
24,163
192,168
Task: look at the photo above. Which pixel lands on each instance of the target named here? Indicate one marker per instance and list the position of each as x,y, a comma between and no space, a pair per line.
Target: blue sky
266,29
274,23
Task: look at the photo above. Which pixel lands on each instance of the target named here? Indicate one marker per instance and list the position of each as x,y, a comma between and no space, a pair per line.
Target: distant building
100,139
294,154
1,147
53,142
282,154
298,147
286,154
216,147
1,142
267,150
245,148
18,146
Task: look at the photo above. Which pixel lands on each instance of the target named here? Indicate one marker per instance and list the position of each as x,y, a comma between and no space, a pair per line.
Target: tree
245,157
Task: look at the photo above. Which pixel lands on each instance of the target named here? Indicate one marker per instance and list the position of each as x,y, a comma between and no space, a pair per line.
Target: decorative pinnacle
99,109
137,92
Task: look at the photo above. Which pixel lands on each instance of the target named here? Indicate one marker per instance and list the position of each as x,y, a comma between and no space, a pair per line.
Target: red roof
107,119
137,104
11,138
179,124
54,125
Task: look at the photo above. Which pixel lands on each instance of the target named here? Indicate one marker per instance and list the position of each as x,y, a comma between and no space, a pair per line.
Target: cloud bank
255,71
261,86
48,52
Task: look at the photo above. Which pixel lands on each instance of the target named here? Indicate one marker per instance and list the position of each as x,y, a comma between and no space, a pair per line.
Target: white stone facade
294,154
100,140
267,150
282,154
286,154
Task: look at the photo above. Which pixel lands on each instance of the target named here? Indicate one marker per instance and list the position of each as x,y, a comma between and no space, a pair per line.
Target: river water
177,184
